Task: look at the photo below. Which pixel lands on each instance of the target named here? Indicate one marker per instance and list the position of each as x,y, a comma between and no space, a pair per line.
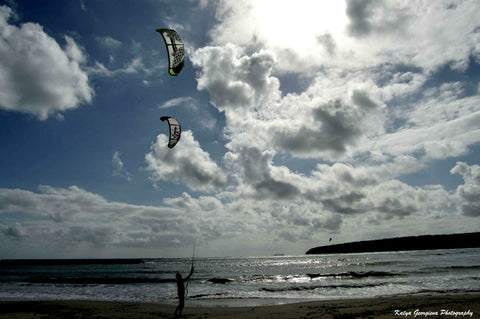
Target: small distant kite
175,130
330,239
175,49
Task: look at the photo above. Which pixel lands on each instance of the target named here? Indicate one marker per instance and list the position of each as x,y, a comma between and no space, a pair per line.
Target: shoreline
461,305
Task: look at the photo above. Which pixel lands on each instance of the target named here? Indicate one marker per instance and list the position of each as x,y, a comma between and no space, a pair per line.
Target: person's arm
190,274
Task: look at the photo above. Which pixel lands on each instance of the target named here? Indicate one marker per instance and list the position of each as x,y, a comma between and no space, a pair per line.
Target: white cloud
373,102
118,169
186,163
56,203
437,141
469,192
325,121
363,33
109,42
117,162
338,198
343,115
75,216
176,102
360,93
83,6
136,65
37,76
233,79
300,45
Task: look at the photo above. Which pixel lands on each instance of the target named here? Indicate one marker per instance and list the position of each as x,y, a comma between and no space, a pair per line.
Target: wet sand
425,306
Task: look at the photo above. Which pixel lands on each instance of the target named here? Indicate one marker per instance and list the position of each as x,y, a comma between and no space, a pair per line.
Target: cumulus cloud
186,163
344,111
37,75
469,192
365,33
335,126
305,125
372,16
374,108
234,79
255,168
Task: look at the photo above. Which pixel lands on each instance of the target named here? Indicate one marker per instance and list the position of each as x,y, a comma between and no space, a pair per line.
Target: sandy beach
428,306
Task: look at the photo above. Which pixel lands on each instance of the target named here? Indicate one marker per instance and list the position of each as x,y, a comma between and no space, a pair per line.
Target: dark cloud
98,235
256,170
471,209
394,207
332,222
338,122
367,16
347,204
14,231
363,100
338,126
142,239
278,189
328,43
359,12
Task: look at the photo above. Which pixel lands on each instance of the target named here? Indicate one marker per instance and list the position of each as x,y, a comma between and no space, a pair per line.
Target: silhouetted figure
181,292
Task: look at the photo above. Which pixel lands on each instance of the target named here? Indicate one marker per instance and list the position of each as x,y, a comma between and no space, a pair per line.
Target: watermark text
428,313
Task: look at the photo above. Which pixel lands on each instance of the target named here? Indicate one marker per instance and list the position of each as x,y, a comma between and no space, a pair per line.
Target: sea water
245,280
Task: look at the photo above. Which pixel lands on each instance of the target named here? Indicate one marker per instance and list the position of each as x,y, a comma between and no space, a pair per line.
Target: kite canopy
175,130
175,49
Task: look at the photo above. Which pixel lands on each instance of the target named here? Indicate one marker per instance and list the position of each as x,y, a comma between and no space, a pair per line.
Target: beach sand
381,307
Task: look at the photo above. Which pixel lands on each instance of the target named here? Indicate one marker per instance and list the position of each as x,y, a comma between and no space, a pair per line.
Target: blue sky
355,120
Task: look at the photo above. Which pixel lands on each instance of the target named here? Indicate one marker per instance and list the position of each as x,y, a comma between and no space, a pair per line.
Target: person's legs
178,310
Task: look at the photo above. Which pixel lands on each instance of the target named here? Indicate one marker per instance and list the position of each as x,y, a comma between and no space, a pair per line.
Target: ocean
244,281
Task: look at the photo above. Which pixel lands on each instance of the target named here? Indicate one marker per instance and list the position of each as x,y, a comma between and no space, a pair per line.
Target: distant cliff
452,241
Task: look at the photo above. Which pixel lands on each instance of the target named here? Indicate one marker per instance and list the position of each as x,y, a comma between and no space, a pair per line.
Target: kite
175,49
175,130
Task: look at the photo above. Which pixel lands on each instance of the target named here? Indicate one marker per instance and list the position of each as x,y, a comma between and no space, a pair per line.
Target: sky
301,121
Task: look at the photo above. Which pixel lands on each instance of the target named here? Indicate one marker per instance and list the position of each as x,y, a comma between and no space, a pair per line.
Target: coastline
464,305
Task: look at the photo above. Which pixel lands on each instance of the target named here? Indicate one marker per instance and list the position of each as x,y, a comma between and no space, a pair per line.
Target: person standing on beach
181,292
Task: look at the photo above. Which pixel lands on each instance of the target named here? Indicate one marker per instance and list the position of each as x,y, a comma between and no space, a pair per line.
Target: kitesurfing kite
175,49
175,130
